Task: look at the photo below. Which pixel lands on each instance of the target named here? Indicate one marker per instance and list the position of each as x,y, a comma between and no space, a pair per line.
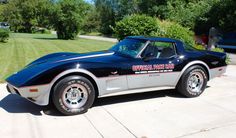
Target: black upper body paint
45,69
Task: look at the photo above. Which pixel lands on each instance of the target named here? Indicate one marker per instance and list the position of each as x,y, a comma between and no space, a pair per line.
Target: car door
155,67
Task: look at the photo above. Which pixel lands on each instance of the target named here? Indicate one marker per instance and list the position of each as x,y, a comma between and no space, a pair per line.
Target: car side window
159,50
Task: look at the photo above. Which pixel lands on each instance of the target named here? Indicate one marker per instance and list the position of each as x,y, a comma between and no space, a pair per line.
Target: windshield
129,47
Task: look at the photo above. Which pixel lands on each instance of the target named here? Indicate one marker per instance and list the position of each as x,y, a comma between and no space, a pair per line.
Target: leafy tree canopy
68,17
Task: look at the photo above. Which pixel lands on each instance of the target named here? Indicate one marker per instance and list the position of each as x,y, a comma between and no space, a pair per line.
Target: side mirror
148,56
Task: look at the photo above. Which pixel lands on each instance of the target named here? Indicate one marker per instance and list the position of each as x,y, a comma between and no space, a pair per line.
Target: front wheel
73,95
193,82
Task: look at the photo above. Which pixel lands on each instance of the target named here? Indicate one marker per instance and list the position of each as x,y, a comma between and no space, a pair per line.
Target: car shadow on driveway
16,104
136,97
13,103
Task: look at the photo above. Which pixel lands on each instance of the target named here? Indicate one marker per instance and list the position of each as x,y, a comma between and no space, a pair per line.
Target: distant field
21,49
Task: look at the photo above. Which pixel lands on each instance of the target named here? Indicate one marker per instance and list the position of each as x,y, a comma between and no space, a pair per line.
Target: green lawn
21,49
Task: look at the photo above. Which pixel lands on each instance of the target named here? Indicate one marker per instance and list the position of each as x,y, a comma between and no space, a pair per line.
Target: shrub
4,35
176,31
136,25
218,50
149,26
199,47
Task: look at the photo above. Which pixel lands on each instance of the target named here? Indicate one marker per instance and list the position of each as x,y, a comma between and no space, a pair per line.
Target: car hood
67,57
61,61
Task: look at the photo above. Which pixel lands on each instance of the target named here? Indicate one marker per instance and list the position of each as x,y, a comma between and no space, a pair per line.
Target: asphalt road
162,114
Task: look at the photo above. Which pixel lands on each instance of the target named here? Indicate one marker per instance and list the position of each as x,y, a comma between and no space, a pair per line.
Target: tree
68,17
92,22
106,14
187,13
44,13
221,15
184,12
23,15
12,15
111,11
156,8
1,12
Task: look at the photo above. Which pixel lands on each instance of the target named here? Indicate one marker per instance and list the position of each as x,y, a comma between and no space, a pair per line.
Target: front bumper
12,90
39,97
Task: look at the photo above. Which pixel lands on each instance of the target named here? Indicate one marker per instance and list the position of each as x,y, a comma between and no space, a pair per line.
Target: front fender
41,97
40,74
46,97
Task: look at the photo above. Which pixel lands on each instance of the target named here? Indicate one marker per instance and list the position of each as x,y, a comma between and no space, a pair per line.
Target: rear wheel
73,95
193,82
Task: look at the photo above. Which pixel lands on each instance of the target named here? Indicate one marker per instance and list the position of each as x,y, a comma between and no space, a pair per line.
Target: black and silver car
136,64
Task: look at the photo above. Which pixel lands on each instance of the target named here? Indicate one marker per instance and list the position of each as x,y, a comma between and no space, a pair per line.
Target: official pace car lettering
155,68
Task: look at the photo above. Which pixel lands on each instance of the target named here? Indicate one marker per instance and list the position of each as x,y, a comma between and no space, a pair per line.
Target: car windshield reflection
129,47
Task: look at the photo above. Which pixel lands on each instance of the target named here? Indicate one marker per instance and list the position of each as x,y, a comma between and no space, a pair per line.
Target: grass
22,49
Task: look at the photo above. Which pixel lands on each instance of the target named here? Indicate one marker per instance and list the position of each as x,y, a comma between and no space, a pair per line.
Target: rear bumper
217,72
39,97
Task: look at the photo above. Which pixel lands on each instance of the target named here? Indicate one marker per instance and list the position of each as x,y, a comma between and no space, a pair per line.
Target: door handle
114,72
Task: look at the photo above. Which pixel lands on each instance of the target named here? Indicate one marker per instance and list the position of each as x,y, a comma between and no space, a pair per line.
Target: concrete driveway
160,114
232,57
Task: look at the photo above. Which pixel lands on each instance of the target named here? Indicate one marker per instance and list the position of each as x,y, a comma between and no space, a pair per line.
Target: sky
90,1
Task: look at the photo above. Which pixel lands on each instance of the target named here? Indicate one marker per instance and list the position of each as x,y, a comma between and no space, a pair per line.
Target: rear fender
197,62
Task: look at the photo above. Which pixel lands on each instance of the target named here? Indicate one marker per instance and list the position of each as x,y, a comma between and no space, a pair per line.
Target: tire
73,95
193,82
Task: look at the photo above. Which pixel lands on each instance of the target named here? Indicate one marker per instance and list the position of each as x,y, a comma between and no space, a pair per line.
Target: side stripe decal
90,56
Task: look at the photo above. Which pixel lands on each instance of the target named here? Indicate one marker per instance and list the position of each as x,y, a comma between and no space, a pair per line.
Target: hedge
4,35
149,26
135,25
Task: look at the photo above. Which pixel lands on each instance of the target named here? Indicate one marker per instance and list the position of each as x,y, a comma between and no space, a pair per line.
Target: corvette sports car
72,81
